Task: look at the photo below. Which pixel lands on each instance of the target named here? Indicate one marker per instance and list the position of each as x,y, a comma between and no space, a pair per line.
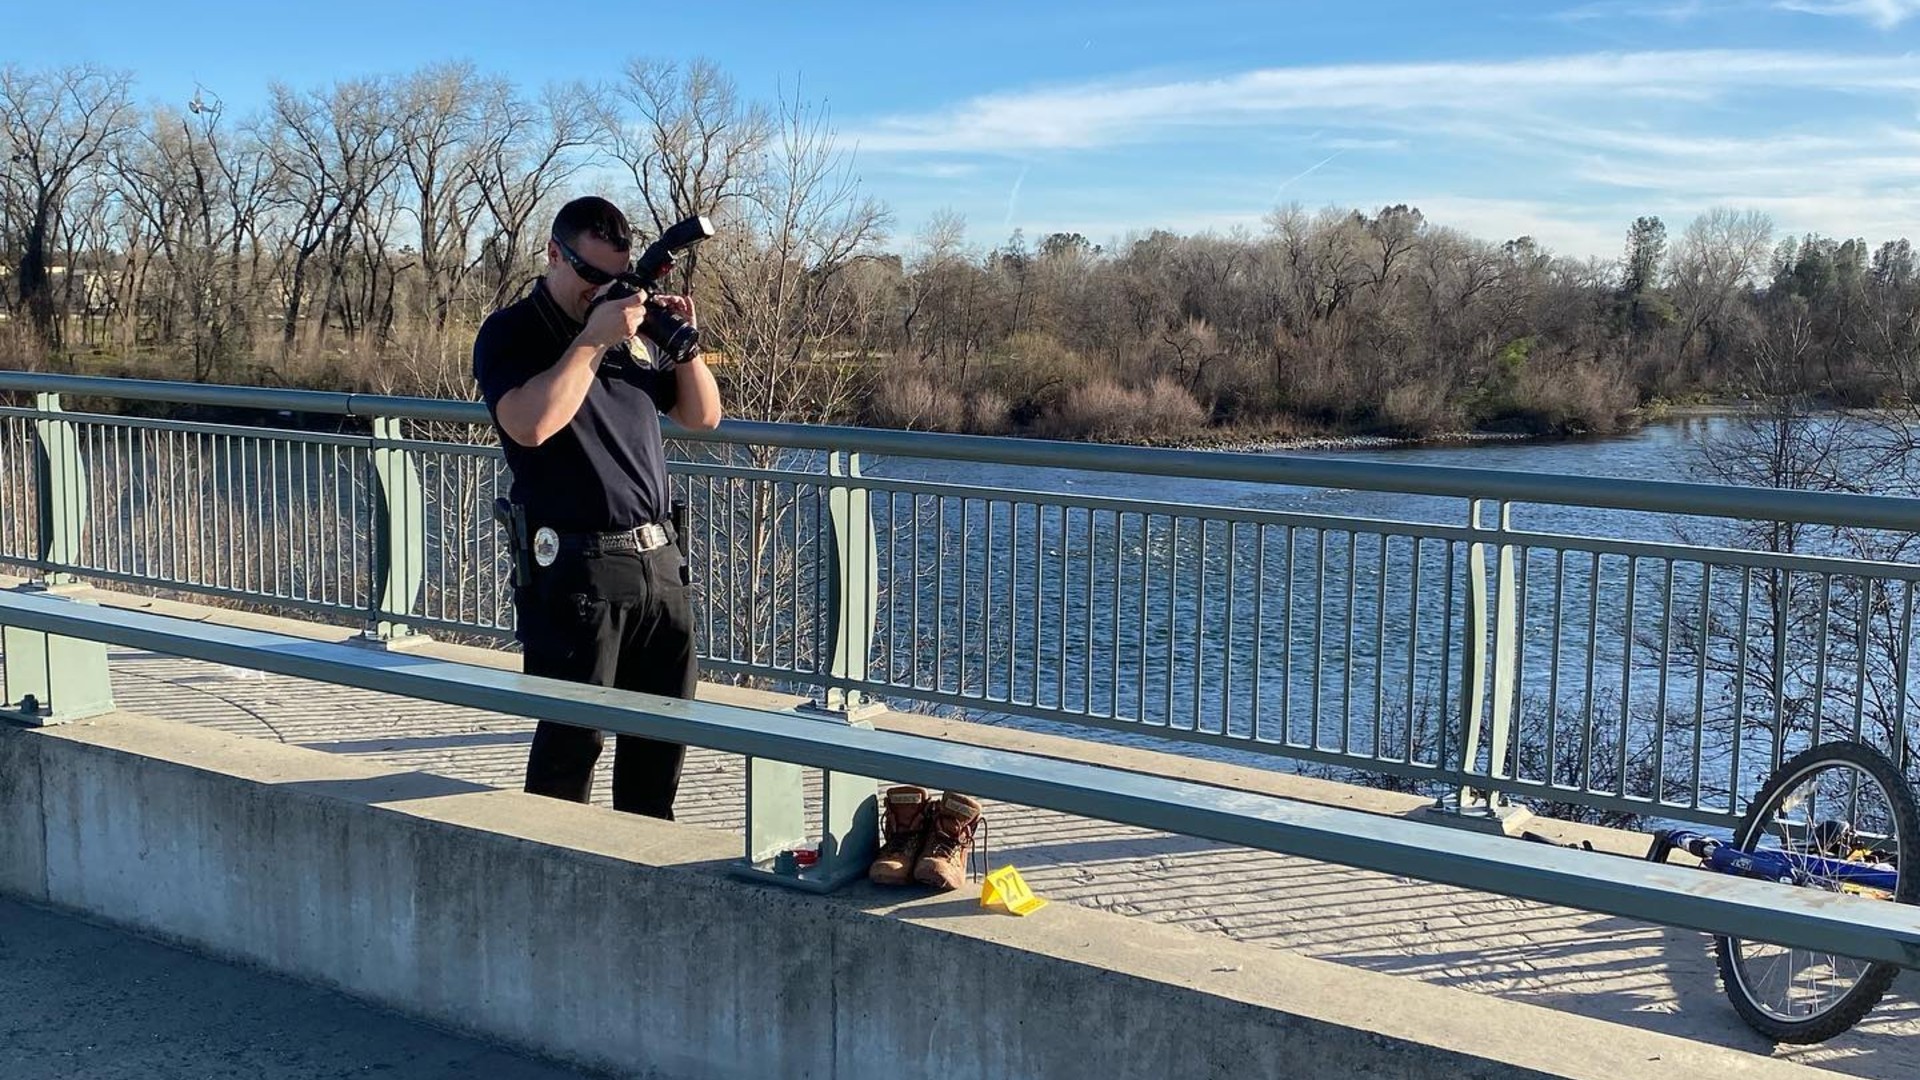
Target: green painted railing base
776,822
52,679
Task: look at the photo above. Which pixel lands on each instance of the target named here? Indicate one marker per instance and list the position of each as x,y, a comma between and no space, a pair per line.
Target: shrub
20,345
913,400
1105,411
1572,397
1417,409
988,413
1032,374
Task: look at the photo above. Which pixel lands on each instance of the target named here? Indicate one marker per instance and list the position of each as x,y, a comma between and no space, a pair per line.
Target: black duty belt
646,537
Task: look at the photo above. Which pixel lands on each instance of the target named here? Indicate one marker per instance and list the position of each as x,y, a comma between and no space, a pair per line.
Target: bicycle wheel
1834,810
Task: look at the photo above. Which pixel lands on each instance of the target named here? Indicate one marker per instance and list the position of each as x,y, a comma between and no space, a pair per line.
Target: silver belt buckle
650,536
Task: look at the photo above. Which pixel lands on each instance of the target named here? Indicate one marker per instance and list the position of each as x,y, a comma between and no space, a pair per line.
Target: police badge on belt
546,546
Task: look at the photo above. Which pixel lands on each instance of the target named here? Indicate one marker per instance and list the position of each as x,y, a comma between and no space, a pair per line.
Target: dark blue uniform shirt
606,470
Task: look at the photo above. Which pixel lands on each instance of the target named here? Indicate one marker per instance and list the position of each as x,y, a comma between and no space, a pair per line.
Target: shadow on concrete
1073,852
964,905
391,788
1875,1049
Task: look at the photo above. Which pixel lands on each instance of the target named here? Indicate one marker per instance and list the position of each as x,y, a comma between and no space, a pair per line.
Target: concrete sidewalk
86,1001
1598,966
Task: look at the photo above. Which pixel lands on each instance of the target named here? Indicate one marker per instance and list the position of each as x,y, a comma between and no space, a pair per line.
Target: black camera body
677,340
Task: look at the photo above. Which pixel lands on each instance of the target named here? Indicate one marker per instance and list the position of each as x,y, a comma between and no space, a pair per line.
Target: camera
677,340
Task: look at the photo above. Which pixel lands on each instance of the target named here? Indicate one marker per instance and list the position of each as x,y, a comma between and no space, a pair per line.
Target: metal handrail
1618,493
1670,895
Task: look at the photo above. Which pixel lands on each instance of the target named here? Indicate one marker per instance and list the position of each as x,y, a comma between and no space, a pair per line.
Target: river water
1358,662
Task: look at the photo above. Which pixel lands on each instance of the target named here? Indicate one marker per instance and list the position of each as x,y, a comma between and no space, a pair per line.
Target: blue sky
1562,120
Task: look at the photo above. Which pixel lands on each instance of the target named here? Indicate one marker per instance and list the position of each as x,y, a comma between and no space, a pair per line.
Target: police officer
577,400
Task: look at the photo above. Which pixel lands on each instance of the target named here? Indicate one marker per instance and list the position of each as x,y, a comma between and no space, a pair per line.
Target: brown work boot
907,812
949,839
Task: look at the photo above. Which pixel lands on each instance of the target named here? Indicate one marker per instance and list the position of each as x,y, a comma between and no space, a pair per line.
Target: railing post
855,585
400,544
1506,651
1782,617
849,803
1473,650
777,823
62,481
1477,669
52,679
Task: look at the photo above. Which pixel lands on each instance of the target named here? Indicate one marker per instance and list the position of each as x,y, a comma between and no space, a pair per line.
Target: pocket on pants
564,640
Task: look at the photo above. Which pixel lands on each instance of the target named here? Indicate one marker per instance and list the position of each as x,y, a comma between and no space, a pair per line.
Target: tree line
352,236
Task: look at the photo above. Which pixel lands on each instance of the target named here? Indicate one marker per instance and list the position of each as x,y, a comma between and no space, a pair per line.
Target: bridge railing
1829,923
1653,670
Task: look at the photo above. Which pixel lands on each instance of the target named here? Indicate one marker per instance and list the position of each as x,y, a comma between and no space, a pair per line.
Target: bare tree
53,125
85,232
525,154
1809,651
335,148
194,192
938,257
781,260
1720,253
690,145
444,111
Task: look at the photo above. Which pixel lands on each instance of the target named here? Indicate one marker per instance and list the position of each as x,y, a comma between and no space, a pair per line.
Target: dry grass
1104,411
1573,396
1416,409
916,402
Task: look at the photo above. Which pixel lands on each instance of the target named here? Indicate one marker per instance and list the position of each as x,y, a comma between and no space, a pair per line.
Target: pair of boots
927,840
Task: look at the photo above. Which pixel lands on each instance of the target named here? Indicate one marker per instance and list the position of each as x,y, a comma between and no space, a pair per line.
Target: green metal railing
1446,645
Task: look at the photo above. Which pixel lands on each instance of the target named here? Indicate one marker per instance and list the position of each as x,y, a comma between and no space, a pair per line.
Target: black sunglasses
588,272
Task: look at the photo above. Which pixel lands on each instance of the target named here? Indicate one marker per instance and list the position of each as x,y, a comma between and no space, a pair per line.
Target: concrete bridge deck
1596,966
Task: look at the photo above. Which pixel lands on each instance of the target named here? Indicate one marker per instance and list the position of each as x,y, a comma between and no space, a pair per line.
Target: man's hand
681,306
698,407
614,321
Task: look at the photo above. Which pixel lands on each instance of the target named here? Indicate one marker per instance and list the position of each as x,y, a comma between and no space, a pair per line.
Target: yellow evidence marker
1005,888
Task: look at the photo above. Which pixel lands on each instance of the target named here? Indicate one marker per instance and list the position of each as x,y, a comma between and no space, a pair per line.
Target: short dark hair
591,214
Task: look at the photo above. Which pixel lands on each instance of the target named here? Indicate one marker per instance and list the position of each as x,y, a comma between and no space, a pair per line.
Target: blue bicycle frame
1774,864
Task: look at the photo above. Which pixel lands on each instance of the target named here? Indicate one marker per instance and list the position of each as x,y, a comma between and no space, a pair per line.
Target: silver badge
546,546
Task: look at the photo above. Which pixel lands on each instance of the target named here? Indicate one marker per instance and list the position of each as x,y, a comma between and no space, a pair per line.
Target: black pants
620,619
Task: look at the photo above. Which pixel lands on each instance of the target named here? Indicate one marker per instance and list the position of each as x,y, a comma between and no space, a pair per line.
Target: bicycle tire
1873,983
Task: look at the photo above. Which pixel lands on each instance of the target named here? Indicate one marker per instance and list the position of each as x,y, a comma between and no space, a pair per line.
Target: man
578,410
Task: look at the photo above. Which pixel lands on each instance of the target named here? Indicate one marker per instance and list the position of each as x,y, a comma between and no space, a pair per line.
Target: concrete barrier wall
619,943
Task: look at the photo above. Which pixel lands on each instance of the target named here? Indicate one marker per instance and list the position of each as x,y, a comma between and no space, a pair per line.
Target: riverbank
1256,442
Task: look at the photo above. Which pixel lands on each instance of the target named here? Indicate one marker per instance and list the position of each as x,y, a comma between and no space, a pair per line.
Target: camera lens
677,339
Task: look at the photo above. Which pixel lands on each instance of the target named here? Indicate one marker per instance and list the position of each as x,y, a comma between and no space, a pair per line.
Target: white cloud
1364,144
1675,11
1885,14
1748,180
1565,149
1577,232
1104,114
935,170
